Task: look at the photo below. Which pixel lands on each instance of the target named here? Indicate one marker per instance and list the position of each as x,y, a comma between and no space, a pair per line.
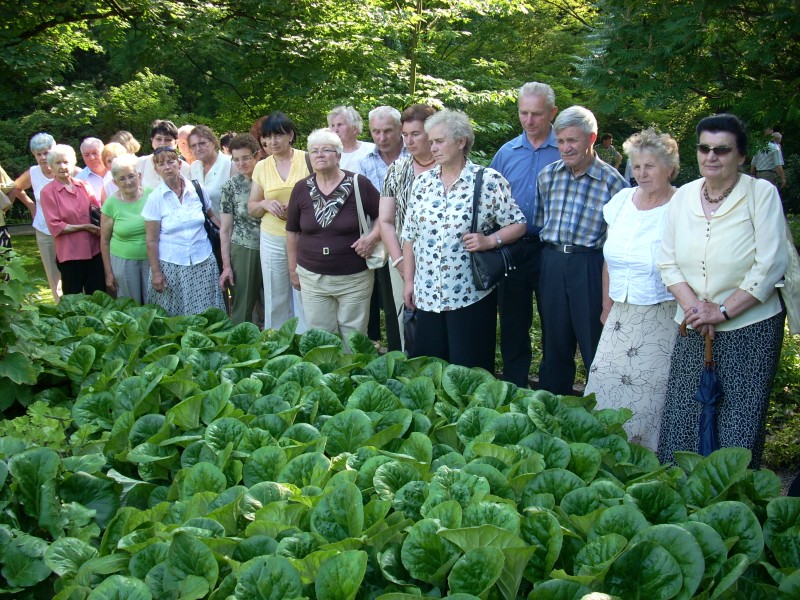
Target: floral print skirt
191,289
631,365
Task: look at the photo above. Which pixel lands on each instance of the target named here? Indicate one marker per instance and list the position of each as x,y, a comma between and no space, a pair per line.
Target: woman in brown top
325,251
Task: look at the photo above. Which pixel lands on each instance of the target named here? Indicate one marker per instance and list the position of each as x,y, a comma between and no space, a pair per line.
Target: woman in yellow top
273,181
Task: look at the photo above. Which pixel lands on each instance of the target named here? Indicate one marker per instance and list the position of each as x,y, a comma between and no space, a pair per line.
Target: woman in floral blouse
455,321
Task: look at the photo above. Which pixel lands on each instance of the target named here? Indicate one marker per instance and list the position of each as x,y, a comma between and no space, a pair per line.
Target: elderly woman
211,167
122,232
345,122
111,151
126,138
396,193
455,321
66,203
274,178
162,133
723,251
183,271
36,178
325,248
631,364
239,232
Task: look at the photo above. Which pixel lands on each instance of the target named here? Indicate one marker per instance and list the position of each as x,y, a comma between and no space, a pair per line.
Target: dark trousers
571,302
382,298
82,276
465,336
516,310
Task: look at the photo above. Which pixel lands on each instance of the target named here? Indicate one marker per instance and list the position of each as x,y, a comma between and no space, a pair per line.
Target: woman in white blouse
211,167
455,321
724,250
183,270
631,364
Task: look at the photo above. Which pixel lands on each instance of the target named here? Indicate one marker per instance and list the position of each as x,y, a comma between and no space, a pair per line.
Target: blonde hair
662,145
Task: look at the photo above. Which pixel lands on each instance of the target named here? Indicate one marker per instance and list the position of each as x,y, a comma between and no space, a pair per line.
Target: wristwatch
498,240
724,312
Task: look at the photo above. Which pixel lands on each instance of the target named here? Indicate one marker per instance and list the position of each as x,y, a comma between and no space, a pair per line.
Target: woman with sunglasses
723,251
212,168
184,278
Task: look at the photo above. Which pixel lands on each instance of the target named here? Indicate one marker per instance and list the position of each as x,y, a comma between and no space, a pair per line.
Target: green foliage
182,457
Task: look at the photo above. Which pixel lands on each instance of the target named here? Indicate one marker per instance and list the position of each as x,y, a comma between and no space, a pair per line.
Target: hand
408,296
275,208
93,229
477,242
158,282
703,314
365,245
295,279
111,282
226,279
604,314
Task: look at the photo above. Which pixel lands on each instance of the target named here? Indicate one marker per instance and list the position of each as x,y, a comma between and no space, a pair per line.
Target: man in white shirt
768,164
94,171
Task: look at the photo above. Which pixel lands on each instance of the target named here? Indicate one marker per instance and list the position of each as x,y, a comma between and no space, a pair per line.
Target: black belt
530,238
570,249
766,171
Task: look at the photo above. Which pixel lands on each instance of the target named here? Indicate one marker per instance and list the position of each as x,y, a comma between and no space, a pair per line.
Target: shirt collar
594,170
523,142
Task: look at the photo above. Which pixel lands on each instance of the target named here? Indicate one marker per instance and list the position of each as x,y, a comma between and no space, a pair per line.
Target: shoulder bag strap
199,191
308,165
362,219
475,200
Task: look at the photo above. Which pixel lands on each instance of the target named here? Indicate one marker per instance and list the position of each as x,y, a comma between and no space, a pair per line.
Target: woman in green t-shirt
122,232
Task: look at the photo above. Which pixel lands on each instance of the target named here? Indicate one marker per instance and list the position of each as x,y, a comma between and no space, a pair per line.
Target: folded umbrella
709,395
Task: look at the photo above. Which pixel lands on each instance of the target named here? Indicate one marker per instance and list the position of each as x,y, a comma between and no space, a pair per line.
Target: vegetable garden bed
158,457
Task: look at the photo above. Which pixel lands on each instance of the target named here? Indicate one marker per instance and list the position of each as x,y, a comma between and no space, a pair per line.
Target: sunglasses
718,150
162,149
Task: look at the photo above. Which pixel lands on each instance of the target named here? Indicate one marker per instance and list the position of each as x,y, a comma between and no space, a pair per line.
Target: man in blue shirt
572,193
520,162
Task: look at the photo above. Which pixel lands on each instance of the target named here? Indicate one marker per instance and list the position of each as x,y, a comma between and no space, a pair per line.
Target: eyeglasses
200,144
317,151
243,159
718,150
162,149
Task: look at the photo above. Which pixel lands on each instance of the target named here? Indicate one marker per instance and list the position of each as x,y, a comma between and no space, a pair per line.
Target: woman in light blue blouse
455,321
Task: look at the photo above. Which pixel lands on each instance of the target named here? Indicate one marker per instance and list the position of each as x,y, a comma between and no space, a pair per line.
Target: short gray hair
383,112
662,145
576,116
122,162
61,151
41,142
350,114
534,88
456,124
91,142
325,136
185,130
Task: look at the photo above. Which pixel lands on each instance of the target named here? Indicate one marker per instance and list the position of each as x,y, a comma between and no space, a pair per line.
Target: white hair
91,142
456,125
384,112
122,162
534,88
350,114
41,142
61,151
325,136
576,116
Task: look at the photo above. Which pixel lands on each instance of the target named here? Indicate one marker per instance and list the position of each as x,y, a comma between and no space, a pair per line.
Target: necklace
724,195
424,165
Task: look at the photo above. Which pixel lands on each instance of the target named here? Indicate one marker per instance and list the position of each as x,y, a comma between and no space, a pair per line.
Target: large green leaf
339,514
268,578
459,383
100,494
473,422
622,519
782,530
684,549
715,474
715,552
306,469
734,520
118,587
264,465
66,555
339,577
427,556
203,477
645,571
657,501
476,571
189,557
23,563
347,431
559,589
391,476
34,472
371,396
542,532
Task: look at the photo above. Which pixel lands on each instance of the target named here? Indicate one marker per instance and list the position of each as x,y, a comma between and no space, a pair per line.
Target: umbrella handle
709,359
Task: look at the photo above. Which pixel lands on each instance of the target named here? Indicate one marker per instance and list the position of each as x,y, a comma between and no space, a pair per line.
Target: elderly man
572,193
520,161
95,170
345,122
384,125
768,164
163,133
183,143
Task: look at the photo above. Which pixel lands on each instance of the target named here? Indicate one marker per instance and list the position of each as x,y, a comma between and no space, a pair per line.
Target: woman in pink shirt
66,203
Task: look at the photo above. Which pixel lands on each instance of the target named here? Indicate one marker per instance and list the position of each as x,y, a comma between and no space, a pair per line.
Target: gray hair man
520,161
94,173
572,191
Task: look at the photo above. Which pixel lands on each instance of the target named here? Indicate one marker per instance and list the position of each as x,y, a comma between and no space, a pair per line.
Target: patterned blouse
398,182
435,223
246,229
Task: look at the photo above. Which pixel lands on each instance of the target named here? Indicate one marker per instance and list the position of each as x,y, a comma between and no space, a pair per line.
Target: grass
25,245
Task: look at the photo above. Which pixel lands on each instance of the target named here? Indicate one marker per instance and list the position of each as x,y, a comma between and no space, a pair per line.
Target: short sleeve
293,208
613,207
227,198
152,210
370,197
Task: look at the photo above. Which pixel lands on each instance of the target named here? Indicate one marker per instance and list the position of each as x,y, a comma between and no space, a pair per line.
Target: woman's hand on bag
365,245
275,208
408,296
477,242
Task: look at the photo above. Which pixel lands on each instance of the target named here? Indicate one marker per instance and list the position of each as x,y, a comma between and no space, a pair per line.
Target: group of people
614,269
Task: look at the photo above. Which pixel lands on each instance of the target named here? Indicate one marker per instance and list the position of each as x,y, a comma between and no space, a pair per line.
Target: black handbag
211,228
94,215
490,266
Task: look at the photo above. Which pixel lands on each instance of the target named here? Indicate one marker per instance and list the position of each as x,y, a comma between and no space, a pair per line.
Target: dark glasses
718,150
161,149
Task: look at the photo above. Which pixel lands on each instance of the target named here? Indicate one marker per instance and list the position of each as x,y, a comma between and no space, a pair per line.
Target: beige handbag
379,255
5,202
790,290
